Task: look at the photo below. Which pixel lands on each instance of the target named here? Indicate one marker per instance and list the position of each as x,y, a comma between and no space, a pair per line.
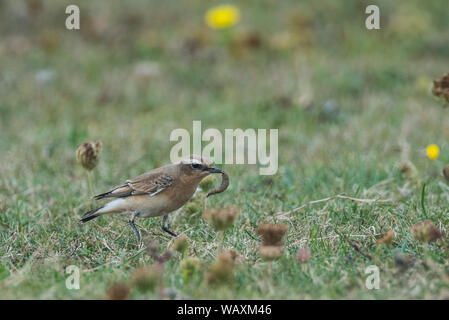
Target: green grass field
351,106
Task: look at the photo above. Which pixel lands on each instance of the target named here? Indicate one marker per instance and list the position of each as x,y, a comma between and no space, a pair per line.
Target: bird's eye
196,166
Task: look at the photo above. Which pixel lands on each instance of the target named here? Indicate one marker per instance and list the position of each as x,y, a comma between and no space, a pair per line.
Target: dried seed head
221,270
270,252
181,244
49,40
231,254
403,262
272,234
441,87
408,170
197,40
118,291
246,40
426,231
303,254
446,172
188,266
147,278
190,263
167,255
87,154
386,238
34,8
193,206
152,248
207,183
223,218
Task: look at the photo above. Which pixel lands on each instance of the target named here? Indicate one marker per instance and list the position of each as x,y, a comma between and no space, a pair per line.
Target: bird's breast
179,195
165,202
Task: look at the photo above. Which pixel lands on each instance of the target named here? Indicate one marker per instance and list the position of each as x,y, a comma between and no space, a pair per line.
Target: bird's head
197,167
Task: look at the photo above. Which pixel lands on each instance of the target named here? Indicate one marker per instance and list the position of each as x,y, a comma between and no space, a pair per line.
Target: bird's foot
165,226
169,231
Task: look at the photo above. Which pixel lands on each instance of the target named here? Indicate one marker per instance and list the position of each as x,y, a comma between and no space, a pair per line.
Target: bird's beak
214,170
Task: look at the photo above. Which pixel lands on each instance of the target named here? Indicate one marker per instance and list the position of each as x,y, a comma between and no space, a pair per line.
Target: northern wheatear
155,193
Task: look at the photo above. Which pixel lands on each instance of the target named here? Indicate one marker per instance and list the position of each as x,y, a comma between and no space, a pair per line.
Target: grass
350,106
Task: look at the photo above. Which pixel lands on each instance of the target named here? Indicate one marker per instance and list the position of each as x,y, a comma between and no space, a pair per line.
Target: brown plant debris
224,218
118,291
426,231
220,272
87,154
147,278
446,173
441,87
408,170
386,238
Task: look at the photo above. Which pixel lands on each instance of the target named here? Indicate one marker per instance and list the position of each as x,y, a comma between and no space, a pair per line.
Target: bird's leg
165,226
131,222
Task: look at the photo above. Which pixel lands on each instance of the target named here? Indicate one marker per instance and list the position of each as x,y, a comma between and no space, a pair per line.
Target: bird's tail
89,215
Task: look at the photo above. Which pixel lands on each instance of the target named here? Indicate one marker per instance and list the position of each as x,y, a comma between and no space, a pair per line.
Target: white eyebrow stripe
190,161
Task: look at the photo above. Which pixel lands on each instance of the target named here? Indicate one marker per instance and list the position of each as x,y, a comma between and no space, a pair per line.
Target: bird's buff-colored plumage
155,193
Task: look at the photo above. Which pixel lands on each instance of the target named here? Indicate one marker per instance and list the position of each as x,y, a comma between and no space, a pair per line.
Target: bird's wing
150,183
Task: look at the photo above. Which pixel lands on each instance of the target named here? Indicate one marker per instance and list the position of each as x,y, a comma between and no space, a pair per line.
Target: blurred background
350,104
138,69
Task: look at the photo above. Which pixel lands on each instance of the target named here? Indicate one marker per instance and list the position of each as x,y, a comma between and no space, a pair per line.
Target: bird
155,193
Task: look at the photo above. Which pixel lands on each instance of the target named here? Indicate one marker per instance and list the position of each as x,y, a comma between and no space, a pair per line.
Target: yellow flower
432,151
223,16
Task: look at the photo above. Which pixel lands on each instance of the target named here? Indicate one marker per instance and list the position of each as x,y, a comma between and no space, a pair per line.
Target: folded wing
150,183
